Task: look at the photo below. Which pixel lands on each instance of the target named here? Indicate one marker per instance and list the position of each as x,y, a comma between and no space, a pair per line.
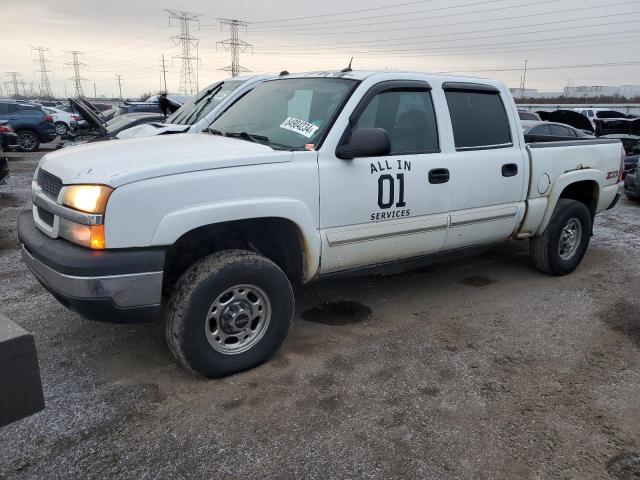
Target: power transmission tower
234,45
119,83
45,84
186,41
77,78
14,82
164,75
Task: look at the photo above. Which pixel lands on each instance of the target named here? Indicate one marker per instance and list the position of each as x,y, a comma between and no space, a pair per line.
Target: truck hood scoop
118,162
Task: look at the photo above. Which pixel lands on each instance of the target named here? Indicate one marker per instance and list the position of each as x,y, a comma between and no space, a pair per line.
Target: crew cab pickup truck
305,176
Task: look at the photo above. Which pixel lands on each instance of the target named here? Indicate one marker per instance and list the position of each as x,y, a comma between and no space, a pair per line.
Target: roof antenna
283,73
348,69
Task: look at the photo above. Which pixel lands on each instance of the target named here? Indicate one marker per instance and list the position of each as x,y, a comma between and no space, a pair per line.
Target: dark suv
32,125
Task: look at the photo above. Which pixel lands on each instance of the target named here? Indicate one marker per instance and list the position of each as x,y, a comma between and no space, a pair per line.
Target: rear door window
478,118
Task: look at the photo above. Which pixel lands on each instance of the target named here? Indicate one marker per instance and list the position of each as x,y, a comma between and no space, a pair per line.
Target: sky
566,42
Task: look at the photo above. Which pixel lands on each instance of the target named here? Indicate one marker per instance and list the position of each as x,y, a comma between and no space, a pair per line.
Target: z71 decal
391,189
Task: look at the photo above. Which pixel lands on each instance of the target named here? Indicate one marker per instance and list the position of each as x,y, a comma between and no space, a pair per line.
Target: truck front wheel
229,312
560,248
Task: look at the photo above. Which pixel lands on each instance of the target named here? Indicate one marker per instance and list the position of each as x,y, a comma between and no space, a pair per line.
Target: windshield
198,108
289,113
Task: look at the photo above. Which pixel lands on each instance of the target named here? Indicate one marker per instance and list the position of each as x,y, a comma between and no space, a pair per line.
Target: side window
559,131
541,130
409,118
4,108
478,118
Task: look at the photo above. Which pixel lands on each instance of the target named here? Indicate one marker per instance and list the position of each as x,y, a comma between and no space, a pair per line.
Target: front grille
50,184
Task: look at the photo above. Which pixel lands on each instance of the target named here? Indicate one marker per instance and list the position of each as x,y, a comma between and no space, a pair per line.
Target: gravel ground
483,368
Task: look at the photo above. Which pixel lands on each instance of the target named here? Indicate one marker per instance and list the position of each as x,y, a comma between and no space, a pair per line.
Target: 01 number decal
386,191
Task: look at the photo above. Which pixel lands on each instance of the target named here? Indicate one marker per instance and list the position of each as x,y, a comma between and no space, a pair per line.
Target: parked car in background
32,125
8,138
195,116
528,115
539,131
628,132
98,130
568,117
63,121
4,167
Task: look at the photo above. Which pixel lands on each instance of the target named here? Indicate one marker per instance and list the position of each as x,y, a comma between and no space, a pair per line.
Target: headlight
87,198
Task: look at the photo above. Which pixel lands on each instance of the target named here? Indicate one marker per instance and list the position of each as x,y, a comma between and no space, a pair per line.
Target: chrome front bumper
125,291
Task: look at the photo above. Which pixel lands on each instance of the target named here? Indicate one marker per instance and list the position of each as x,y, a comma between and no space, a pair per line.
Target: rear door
488,169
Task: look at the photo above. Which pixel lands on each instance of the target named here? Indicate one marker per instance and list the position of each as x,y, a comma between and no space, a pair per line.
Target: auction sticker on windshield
301,127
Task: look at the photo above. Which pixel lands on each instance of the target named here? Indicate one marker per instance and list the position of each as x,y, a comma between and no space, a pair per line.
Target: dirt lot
481,368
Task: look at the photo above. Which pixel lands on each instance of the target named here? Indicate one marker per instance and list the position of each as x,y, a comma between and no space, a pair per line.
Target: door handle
509,170
439,175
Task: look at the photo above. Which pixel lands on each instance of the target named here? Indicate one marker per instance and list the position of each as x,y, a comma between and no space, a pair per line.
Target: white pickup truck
305,176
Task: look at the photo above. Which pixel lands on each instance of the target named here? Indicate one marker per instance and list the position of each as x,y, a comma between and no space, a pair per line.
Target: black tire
61,128
545,253
28,141
203,283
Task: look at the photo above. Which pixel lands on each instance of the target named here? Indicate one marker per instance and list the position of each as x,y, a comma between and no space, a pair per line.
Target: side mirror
365,142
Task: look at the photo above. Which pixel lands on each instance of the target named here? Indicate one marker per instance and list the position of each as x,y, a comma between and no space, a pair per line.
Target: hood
118,163
151,130
88,114
569,117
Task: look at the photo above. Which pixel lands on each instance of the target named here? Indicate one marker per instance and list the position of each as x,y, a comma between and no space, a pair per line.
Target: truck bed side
589,168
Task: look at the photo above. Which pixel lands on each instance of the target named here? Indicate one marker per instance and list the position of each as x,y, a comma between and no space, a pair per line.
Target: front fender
178,222
562,182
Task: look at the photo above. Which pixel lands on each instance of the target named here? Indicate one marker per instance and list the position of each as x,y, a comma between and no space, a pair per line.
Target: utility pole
95,92
119,83
186,41
77,78
14,82
45,84
524,79
164,76
234,45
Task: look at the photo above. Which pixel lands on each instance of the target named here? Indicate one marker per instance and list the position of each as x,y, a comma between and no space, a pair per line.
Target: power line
234,45
45,84
448,41
76,78
404,27
345,12
188,82
332,22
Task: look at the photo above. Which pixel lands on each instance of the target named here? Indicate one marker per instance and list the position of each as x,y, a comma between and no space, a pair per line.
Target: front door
380,209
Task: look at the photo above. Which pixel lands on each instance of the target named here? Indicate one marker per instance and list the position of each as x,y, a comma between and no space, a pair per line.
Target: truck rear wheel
229,312
560,248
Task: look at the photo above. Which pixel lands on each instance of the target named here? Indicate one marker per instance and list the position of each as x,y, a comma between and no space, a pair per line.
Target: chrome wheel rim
570,238
26,141
237,319
61,129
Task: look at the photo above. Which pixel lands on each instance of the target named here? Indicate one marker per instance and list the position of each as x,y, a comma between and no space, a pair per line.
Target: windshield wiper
213,131
249,136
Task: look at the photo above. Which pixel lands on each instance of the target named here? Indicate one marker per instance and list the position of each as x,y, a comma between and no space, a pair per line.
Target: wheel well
585,191
278,239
